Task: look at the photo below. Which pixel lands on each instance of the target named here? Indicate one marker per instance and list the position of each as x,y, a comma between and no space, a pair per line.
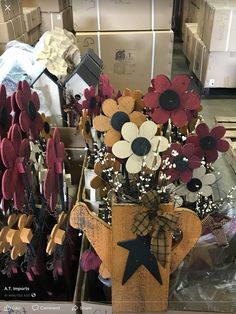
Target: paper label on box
211,82
124,62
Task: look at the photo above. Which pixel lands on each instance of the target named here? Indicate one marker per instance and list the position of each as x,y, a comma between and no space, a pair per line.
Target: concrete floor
211,108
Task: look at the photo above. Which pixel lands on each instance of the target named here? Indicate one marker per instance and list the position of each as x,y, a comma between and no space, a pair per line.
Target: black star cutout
140,254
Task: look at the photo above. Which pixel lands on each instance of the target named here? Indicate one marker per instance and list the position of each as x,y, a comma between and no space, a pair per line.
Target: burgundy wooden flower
209,142
170,99
105,88
90,261
91,102
15,154
182,162
5,112
54,160
28,102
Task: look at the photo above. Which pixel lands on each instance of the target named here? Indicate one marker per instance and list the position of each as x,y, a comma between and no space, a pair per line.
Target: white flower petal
199,172
148,129
122,149
129,131
206,190
159,143
178,201
208,179
171,188
153,162
134,164
182,190
192,197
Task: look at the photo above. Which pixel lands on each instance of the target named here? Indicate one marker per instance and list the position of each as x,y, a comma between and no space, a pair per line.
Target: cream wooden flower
140,146
199,184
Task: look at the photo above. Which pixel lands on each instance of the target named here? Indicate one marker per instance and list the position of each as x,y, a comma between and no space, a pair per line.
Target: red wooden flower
91,102
105,88
182,160
28,102
170,99
5,112
15,154
54,160
209,143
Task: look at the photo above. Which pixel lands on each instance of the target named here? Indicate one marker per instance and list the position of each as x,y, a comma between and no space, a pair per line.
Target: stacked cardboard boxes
12,24
211,49
133,38
54,13
32,16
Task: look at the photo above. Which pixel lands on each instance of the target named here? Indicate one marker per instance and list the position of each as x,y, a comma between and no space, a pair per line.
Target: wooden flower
85,126
116,115
104,171
57,235
199,184
28,103
5,112
47,130
170,99
140,146
91,102
137,96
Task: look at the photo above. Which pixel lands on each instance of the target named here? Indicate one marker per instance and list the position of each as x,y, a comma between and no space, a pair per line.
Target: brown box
219,26
191,12
113,15
190,30
127,56
214,69
47,5
32,16
63,19
9,9
12,29
33,36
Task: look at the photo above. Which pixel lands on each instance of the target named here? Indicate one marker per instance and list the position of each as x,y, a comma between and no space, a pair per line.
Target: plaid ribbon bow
215,224
156,223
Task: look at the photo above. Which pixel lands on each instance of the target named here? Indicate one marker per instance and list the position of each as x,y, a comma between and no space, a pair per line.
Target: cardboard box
33,36
113,15
214,69
191,13
219,26
9,9
50,20
12,29
189,31
32,17
127,56
47,5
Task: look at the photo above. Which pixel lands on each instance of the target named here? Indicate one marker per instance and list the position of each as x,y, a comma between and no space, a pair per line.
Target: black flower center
169,100
92,103
208,142
181,163
46,127
87,126
118,120
194,185
31,110
141,146
4,118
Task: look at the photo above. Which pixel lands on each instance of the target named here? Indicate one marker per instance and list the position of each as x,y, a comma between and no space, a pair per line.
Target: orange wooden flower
137,96
116,115
104,173
47,130
85,126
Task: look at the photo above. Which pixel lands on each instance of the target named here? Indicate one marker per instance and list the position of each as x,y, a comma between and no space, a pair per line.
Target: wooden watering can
142,293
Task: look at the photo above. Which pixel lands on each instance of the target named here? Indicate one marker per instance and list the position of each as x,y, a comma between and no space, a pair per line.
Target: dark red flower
182,160
5,112
15,109
28,102
209,143
91,102
15,154
54,160
170,99
89,261
105,88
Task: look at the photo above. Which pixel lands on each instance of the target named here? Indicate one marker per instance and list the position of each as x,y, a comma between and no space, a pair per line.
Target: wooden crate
230,125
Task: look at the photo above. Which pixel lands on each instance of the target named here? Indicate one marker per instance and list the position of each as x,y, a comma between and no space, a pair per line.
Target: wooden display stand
141,293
